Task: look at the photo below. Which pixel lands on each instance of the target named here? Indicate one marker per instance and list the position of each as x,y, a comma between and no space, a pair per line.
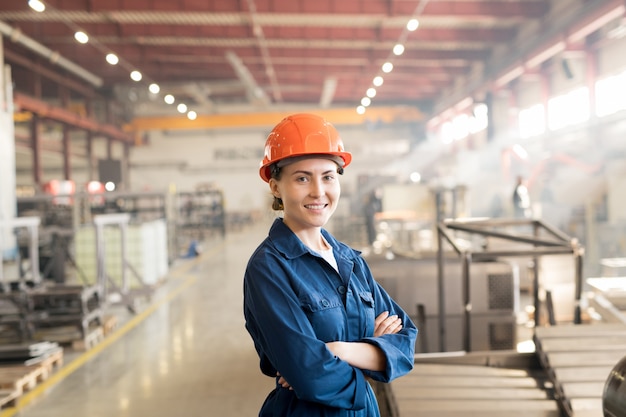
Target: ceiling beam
339,116
45,110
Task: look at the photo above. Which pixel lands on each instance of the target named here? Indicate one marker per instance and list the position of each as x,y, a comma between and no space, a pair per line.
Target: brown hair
275,171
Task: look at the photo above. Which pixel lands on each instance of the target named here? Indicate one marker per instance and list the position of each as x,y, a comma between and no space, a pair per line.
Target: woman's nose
317,188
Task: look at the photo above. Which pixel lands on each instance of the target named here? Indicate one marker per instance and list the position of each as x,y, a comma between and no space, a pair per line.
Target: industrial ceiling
231,56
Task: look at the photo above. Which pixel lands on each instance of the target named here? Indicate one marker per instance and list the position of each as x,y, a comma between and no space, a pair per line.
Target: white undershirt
328,255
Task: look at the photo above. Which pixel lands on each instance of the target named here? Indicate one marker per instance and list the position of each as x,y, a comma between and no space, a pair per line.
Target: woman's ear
274,187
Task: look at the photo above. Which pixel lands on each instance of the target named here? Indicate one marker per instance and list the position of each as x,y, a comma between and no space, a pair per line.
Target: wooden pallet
8,398
15,380
91,339
109,325
72,337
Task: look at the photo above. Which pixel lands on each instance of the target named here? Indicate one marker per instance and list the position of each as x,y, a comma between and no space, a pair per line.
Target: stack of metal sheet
451,390
579,359
26,354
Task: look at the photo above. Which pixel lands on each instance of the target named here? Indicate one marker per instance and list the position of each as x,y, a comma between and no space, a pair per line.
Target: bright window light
81,37
182,108
136,76
360,110
378,81
366,101
446,132
568,109
169,99
412,25
112,59
37,5
607,100
481,110
479,121
532,121
460,127
192,115
398,49
371,92
154,88
387,67
520,151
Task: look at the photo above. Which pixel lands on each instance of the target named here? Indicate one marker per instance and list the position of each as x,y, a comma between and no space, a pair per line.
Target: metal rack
542,240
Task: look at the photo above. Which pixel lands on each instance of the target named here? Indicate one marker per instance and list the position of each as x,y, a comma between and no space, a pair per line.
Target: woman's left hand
282,382
386,324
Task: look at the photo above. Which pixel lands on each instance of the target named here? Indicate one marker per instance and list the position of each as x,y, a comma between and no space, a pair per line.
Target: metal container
614,395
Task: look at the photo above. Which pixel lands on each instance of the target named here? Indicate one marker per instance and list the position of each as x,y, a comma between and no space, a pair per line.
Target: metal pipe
467,303
441,230
16,35
486,256
578,259
555,232
441,290
536,282
508,236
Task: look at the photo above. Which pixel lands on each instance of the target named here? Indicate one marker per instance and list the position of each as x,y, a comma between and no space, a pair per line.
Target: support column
65,101
8,247
35,137
126,166
109,148
66,153
89,149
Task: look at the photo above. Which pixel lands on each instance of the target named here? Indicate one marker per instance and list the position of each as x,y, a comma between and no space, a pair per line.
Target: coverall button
325,303
341,289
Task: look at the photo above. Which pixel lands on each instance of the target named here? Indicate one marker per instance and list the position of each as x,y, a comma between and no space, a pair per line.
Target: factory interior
486,194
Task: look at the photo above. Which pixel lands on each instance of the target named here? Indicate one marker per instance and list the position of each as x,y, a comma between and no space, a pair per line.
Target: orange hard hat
300,135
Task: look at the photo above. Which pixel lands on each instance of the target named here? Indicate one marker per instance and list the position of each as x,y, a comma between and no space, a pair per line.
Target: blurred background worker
521,199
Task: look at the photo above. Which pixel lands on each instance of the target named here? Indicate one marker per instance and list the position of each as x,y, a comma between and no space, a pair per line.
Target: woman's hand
386,324
282,382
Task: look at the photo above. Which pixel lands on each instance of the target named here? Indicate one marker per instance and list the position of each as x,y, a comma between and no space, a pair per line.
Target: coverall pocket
367,302
325,315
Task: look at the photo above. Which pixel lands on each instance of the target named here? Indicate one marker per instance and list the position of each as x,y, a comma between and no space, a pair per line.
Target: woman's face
310,192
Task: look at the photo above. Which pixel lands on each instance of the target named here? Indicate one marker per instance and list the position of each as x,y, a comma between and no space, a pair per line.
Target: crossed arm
363,355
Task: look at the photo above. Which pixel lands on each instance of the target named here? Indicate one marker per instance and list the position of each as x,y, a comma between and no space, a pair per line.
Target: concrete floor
186,354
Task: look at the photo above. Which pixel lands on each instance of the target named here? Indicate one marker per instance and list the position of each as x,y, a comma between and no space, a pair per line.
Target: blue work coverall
294,302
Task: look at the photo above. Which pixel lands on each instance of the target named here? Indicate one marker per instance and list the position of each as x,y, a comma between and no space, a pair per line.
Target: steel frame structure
555,243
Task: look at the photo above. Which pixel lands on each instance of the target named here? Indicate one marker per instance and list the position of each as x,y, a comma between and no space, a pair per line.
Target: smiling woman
320,323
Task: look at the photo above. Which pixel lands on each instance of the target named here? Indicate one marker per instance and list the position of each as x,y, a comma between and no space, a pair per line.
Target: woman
319,321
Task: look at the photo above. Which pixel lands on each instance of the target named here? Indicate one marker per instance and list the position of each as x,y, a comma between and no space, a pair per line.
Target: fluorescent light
81,37
387,67
37,5
112,59
412,24
378,81
398,49
169,99
371,92
366,101
182,108
136,76
192,115
154,88
360,110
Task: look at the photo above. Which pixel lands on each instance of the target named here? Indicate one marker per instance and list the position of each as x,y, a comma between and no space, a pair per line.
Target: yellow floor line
68,369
